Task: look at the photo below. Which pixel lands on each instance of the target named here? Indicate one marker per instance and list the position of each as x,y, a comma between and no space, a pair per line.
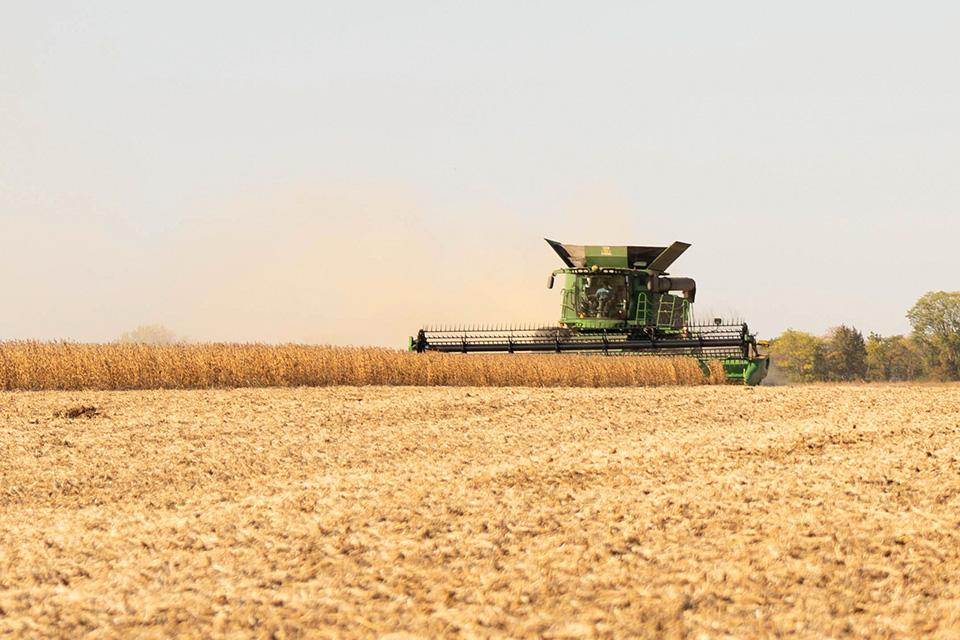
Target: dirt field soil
479,512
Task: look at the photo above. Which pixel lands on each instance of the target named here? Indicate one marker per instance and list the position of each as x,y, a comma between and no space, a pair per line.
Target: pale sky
346,172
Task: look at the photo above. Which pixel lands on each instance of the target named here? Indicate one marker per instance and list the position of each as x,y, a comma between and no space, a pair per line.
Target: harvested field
340,512
35,366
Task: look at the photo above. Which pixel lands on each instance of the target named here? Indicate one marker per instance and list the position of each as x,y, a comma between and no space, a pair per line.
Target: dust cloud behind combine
342,263
347,267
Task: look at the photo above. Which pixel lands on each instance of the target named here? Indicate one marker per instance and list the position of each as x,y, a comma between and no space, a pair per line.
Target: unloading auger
617,300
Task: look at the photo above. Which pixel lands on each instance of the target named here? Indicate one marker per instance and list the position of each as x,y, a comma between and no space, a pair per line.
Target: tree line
930,352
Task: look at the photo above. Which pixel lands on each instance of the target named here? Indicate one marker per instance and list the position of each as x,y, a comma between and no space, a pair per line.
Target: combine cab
618,300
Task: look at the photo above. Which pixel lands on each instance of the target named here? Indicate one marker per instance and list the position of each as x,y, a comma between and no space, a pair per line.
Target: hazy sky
345,172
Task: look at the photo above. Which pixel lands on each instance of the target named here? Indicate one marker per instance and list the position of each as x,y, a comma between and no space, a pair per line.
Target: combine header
617,301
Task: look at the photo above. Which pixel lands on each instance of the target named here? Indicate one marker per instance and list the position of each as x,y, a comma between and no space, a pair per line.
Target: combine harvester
618,301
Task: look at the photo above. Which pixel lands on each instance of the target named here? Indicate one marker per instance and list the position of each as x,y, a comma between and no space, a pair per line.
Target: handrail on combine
642,308
667,305
569,303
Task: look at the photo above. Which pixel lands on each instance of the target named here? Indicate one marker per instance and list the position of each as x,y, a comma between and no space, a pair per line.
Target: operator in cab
604,297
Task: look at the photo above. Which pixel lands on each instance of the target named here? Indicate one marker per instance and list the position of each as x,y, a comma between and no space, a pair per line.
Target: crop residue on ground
709,511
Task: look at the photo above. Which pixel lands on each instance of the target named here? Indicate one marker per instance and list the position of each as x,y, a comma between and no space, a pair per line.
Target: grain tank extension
617,300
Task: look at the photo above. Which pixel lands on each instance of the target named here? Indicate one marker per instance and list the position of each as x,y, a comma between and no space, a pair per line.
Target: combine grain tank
617,300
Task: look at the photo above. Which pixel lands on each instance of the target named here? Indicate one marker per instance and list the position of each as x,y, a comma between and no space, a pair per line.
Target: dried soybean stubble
352,511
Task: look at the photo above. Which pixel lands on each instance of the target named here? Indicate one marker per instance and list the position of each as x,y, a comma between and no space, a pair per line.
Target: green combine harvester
617,300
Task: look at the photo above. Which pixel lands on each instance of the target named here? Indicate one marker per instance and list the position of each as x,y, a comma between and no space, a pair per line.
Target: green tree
893,358
799,355
150,334
845,354
936,327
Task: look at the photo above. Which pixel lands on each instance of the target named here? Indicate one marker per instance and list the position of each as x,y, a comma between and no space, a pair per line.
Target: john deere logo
605,251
